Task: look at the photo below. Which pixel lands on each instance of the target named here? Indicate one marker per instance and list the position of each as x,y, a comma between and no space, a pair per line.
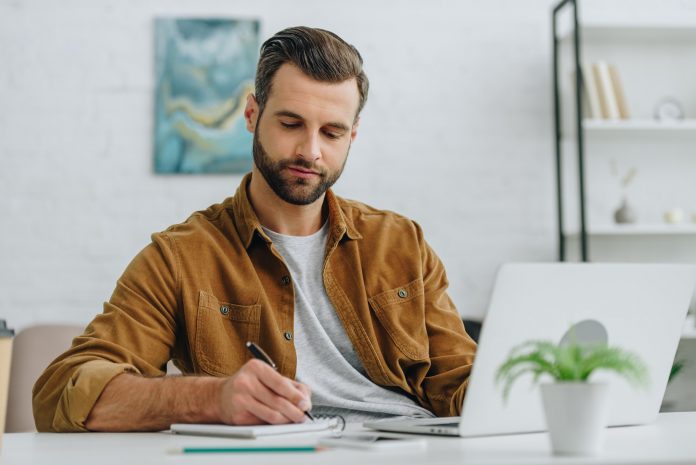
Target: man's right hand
258,394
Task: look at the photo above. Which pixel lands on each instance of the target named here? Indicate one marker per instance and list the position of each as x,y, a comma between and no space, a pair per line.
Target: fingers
267,414
307,393
276,399
302,387
282,386
287,412
246,417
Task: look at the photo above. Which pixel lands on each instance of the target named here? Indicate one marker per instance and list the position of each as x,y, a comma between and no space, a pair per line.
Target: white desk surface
671,440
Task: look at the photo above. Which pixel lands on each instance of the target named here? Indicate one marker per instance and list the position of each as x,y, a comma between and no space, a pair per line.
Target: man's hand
258,394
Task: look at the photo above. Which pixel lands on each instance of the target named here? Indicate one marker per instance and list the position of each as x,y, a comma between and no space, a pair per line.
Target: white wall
456,134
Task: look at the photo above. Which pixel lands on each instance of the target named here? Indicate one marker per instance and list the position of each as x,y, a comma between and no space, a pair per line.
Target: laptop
639,307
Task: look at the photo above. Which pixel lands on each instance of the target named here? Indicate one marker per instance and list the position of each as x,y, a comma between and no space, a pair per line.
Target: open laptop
639,307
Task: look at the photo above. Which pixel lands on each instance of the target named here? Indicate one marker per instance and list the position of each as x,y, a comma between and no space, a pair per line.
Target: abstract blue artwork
204,70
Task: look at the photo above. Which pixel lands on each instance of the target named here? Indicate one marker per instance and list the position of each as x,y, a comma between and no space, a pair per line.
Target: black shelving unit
584,251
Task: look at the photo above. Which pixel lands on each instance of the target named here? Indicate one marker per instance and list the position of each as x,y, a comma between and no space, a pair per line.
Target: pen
219,450
259,354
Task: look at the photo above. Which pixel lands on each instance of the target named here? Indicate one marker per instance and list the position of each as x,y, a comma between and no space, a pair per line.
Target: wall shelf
638,230
639,125
613,31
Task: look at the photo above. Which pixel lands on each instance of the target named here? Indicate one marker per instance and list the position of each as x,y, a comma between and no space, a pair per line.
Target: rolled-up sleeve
82,391
135,333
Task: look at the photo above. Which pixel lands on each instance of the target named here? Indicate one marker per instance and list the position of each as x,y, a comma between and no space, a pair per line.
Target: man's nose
309,149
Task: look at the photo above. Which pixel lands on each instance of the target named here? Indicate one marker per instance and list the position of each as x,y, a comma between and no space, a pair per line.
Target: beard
293,190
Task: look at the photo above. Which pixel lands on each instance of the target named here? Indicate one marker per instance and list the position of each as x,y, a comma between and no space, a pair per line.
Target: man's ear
251,113
354,130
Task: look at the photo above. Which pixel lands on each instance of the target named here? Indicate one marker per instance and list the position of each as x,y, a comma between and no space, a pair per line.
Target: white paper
249,431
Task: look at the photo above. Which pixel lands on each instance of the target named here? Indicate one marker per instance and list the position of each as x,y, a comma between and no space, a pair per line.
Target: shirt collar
248,224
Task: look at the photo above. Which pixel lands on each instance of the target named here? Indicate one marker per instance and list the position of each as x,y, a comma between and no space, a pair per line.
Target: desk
671,440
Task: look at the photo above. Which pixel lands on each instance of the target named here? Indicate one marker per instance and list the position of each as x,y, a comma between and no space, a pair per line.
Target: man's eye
290,125
332,135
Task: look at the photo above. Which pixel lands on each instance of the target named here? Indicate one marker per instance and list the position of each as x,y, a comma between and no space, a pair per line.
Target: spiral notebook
322,424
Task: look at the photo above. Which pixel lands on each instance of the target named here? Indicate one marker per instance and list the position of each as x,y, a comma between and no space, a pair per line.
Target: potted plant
575,408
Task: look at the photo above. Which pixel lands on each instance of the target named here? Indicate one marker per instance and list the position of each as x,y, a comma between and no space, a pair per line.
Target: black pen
259,354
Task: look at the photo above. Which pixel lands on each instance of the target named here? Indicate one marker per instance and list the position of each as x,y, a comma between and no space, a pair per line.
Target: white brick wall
456,134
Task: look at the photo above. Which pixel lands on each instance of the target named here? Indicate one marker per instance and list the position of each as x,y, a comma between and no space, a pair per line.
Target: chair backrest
33,349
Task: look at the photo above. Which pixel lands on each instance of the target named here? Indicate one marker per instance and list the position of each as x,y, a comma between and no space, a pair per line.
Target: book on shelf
589,91
619,92
607,99
602,92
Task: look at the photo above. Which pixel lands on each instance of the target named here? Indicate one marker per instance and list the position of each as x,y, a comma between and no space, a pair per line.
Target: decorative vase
625,214
674,215
576,416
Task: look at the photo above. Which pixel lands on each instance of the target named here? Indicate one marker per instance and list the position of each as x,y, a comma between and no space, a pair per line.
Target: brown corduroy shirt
205,287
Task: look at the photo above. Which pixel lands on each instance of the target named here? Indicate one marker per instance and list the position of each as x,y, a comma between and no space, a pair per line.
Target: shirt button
224,309
288,335
285,280
403,293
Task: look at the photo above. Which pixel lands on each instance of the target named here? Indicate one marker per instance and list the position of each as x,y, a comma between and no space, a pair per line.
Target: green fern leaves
573,362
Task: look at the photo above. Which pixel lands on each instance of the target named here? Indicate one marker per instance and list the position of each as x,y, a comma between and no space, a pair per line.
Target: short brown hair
320,54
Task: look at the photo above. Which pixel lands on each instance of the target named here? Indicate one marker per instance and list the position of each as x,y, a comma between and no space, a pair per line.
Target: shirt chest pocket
222,330
401,312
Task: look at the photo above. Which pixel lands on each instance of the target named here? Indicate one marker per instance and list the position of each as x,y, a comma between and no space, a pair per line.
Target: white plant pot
576,416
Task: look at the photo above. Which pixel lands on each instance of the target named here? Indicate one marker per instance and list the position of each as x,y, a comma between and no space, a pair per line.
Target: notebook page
251,432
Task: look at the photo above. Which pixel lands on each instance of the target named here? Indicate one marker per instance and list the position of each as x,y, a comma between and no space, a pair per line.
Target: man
347,300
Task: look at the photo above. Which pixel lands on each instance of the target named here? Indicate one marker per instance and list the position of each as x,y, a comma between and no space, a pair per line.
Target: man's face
302,138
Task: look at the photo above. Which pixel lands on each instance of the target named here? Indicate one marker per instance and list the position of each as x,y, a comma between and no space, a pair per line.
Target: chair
473,328
33,349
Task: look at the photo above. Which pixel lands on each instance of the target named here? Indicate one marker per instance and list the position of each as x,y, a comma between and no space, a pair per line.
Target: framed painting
204,71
